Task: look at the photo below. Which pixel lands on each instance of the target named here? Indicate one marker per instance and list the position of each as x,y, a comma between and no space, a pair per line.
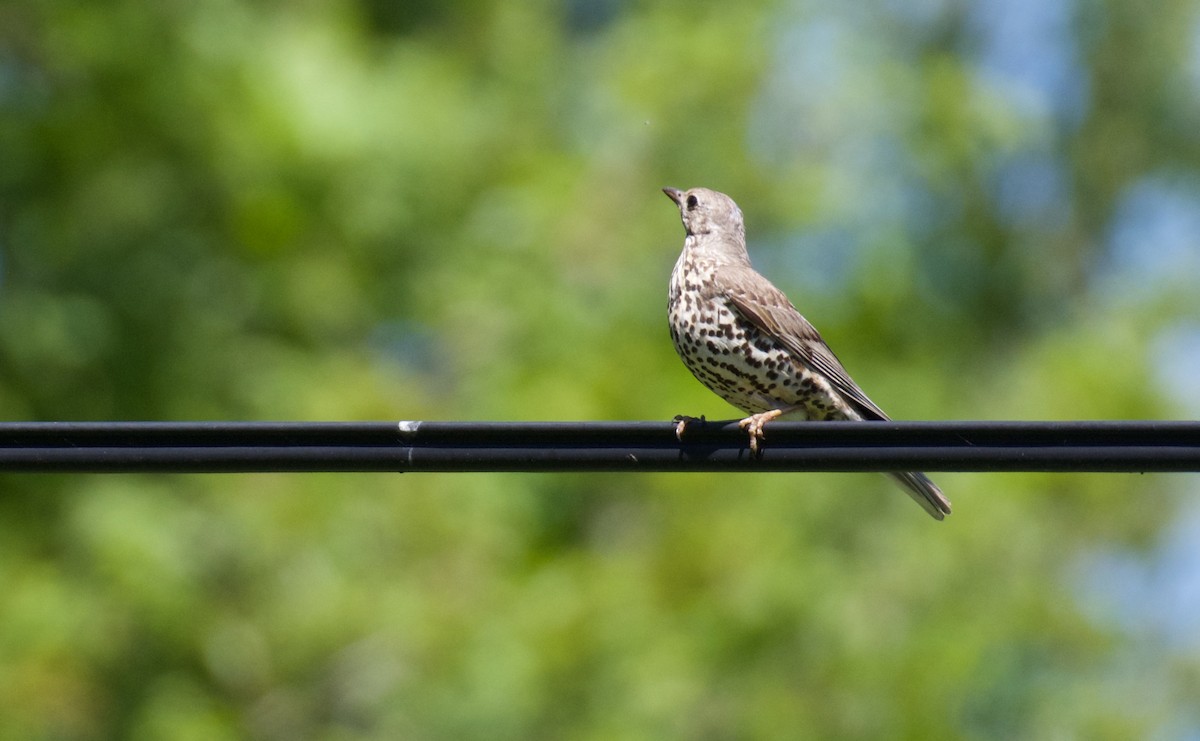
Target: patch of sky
1193,66
1154,596
811,261
836,97
1031,191
798,106
1154,236
1028,51
1176,363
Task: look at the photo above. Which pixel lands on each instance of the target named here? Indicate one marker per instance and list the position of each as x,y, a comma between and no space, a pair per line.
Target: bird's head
707,212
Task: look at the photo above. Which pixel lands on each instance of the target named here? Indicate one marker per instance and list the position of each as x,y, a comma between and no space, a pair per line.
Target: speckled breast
726,352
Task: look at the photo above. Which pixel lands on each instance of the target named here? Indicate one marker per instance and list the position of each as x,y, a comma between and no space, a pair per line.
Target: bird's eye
692,202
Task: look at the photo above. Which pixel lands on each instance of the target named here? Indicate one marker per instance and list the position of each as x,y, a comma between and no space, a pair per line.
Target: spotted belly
744,366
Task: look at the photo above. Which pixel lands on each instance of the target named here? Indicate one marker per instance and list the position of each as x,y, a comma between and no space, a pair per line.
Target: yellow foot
754,425
682,421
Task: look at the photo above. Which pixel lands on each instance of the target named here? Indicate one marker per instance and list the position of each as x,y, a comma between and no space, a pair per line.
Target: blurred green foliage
365,210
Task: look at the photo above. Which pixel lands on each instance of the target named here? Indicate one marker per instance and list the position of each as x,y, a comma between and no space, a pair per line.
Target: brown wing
768,309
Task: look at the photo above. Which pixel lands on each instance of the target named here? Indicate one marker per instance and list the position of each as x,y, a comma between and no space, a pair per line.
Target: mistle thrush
743,339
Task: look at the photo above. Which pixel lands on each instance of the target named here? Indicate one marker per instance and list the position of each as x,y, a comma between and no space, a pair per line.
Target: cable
225,447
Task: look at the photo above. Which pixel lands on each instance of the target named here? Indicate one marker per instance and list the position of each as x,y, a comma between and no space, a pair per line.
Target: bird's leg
682,421
755,422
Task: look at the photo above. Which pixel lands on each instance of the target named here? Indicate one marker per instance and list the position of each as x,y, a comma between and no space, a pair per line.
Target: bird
741,337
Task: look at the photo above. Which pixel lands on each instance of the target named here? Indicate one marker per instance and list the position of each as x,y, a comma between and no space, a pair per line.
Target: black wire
214,447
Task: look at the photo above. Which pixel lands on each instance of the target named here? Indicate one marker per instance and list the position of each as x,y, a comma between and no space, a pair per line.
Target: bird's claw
754,425
682,421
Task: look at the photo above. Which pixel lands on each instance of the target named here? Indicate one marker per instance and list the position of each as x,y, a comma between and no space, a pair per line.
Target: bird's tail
925,492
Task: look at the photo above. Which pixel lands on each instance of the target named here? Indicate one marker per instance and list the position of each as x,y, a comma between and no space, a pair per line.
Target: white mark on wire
408,428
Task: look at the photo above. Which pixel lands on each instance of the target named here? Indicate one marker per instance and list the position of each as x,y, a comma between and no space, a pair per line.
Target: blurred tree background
358,209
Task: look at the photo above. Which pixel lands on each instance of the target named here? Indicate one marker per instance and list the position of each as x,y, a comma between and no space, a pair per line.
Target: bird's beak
674,194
